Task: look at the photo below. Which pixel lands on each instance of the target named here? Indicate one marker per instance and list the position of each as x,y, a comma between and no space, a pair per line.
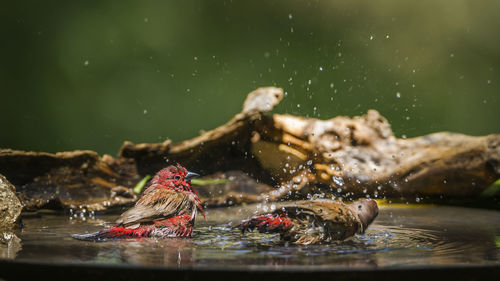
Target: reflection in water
400,237
173,252
10,244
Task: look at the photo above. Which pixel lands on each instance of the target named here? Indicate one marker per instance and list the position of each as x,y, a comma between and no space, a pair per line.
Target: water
402,236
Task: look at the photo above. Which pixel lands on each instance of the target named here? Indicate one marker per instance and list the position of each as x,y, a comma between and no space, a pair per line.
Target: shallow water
402,236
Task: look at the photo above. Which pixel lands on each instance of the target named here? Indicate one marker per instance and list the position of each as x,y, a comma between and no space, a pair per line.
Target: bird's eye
177,177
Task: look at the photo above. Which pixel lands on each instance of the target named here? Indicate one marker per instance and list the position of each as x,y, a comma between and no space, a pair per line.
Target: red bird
167,208
315,221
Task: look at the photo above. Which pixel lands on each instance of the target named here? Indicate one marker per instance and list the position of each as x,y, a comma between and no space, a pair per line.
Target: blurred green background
92,74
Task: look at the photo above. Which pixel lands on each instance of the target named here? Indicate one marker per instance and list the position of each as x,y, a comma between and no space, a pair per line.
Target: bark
225,148
361,156
70,180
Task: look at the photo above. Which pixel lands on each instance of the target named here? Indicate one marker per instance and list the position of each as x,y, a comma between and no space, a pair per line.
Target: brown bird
167,208
315,221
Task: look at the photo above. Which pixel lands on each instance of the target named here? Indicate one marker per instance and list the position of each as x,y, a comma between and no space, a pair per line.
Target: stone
10,206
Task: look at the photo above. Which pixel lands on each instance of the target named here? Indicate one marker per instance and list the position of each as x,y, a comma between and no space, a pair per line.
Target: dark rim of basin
22,270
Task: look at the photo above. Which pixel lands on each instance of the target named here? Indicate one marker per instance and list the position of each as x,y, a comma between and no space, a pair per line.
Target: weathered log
225,148
361,156
341,156
71,180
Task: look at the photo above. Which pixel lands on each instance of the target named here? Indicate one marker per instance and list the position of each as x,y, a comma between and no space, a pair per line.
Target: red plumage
269,223
315,221
167,208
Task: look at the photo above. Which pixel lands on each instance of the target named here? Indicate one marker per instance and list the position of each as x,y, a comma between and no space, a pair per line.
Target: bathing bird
315,221
167,208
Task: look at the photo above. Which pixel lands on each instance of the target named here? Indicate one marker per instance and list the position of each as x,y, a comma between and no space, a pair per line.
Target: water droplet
86,63
146,19
338,181
145,111
371,37
290,16
398,95
298,105
320,68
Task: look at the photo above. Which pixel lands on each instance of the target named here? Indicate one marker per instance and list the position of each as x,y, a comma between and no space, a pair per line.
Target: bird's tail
114,233
270,223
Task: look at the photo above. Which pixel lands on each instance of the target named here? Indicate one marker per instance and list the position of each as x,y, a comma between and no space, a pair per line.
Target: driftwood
227,147
71,180
298,156
360,155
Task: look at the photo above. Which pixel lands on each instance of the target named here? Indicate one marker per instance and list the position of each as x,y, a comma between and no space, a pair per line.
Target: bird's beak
191,175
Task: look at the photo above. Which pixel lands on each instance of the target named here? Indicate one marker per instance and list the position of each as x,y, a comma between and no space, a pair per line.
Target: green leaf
208,181
140,185
497,241
491,190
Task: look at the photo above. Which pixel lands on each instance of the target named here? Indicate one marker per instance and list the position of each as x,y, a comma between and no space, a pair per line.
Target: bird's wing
324,210
155,204
338,221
